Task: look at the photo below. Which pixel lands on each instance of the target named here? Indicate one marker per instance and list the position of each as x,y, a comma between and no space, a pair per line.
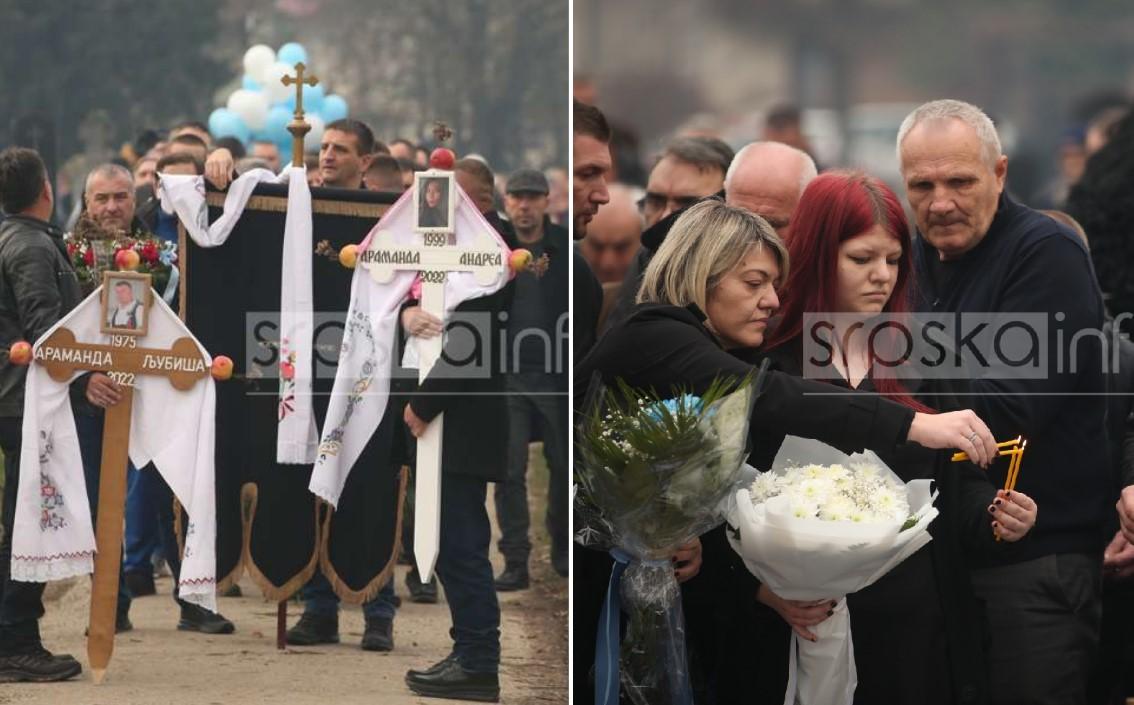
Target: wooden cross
122,360
434,259
298,127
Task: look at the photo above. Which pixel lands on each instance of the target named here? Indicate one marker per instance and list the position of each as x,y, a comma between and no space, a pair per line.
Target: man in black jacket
982,253
474,439
37,288
536,378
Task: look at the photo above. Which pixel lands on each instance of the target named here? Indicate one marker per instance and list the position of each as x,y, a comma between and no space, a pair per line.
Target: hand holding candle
1013,515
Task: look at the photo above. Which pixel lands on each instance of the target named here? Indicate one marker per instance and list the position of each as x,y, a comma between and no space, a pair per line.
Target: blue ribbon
608,641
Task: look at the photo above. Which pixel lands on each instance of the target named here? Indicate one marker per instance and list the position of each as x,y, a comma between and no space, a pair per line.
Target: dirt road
157,665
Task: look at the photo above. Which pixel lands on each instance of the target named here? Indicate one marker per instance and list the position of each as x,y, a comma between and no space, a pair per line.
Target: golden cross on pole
298,127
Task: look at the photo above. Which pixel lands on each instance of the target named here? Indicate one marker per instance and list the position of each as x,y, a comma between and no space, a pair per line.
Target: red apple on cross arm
442,158
519,260
20,352
222,368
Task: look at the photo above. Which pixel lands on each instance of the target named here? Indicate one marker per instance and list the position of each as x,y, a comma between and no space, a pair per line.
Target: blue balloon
333,108
249,84
312,99
292,53
225,123
275,127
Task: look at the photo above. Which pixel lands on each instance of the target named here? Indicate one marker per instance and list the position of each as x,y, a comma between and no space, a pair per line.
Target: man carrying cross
457,413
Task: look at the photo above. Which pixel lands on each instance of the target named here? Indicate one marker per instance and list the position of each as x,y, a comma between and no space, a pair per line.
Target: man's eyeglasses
653,203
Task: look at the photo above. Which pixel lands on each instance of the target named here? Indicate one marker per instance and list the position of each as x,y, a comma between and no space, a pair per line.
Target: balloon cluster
263,106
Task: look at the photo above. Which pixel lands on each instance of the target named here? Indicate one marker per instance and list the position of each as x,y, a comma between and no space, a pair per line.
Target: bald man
613,236
765,178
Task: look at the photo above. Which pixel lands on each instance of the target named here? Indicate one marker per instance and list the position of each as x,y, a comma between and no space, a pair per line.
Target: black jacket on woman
669,350
929,590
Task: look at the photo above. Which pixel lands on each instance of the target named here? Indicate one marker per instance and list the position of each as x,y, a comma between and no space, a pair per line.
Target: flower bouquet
93,249
651,475
821,524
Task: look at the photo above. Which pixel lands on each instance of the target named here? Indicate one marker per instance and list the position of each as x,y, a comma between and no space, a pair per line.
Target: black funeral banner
267,520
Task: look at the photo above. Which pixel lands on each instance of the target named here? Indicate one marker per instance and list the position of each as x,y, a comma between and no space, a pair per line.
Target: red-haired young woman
917,631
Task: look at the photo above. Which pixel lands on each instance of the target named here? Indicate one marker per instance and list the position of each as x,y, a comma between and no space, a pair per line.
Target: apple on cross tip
442,158
127,260
519,260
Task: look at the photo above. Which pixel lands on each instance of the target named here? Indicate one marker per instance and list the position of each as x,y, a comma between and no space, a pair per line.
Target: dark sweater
1027,263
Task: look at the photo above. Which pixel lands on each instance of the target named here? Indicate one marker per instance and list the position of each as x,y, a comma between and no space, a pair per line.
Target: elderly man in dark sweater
982,254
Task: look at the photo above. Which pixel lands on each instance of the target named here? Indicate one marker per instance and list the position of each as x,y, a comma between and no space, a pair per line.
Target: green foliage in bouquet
154,256
654,467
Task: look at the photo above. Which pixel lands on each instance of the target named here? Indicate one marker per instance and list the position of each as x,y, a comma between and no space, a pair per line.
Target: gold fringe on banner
274,593
368,593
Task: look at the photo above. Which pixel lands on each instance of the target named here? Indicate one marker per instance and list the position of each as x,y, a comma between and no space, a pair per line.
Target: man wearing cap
536,360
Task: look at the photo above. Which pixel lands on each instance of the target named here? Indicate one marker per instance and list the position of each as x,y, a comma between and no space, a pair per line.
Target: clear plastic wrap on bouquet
811,559
651,476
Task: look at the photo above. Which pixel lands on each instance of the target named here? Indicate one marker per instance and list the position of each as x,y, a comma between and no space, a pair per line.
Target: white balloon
258,60
251,106
314,138
273,87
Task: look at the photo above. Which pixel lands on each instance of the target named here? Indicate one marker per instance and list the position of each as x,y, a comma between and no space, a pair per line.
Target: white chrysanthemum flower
803,510
888,504
861,516
766,486
867,471
813,470
838,508
814,490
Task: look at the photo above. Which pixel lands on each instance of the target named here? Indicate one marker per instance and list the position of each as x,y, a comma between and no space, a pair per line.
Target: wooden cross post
298,127
434,259
123,360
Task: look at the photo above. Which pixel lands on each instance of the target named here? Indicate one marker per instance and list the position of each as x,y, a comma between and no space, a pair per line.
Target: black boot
314,629
140,583
425,593
514,577
449,679
379,634
38,665
199,619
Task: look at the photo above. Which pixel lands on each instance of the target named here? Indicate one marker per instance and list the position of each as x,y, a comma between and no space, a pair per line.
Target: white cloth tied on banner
53,537
362,381
298,435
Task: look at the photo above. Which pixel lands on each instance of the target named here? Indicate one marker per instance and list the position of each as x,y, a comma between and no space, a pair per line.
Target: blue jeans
466,573
142,537
319,599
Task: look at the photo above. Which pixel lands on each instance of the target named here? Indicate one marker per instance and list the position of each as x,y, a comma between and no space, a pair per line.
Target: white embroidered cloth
298,435
53,537
362,382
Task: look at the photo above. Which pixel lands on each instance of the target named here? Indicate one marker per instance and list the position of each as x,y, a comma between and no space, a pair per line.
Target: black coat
586,306
555,287
38,287
667,348
466,385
